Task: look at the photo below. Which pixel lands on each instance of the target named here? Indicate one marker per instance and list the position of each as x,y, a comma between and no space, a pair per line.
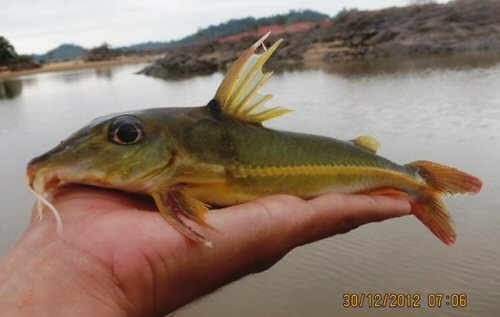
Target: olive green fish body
187,159
255,161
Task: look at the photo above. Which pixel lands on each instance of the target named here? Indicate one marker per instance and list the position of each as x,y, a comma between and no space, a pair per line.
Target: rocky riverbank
456,27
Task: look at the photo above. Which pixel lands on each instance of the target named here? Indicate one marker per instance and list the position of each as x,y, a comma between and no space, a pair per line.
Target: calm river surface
449,115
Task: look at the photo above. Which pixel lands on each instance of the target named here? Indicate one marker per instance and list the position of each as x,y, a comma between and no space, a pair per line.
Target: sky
35,26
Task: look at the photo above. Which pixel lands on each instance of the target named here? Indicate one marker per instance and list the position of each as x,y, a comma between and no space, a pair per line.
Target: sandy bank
80,64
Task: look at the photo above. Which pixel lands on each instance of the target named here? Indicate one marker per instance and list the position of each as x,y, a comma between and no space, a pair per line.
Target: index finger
290,221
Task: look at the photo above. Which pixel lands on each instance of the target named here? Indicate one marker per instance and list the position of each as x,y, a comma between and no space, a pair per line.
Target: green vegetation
103,49
8,54
102,52
254,26
344,12
7,51
234,26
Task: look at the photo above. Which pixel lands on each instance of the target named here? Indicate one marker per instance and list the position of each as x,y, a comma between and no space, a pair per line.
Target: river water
446,111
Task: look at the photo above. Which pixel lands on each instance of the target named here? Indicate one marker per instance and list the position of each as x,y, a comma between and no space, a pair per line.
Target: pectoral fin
189,206
175,201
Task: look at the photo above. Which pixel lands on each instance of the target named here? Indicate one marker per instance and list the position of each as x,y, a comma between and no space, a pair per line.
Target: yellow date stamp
404,300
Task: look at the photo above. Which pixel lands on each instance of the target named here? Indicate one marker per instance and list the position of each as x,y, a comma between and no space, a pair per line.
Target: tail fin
447,180
429,208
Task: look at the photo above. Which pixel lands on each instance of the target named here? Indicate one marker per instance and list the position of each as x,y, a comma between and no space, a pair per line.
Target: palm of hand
152,269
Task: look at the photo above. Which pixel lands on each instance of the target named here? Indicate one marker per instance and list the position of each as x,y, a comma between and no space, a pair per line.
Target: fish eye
126,130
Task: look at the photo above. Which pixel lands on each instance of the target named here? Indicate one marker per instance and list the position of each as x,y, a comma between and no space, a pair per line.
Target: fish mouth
43,184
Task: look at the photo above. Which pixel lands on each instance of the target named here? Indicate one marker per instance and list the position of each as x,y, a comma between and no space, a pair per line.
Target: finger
257,234
289,221
339,213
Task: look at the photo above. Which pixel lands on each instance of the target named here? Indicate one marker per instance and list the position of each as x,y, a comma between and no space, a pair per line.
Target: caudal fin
442,180
430,210
447,180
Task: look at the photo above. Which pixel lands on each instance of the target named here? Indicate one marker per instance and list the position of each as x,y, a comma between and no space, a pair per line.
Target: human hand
115,258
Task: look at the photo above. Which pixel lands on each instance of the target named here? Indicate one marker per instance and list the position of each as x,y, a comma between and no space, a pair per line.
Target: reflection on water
74,77
447,115
412,64
10,89
104,73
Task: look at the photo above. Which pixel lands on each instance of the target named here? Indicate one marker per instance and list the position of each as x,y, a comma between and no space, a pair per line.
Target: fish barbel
189,159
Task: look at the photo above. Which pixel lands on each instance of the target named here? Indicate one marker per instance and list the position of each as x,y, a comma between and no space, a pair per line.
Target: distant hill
234,26
146,46
62,52
231,27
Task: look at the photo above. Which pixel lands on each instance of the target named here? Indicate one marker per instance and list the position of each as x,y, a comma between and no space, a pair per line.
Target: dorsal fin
238,94
367,142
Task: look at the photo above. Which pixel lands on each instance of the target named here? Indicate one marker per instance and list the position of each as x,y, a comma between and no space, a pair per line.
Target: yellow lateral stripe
268,171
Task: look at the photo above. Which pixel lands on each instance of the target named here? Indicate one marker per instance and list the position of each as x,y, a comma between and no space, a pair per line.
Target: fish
190,159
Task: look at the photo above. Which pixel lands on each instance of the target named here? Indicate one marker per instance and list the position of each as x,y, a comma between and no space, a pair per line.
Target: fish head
128,152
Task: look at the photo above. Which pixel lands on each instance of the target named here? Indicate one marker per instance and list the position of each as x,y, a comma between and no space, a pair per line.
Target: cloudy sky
34,26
